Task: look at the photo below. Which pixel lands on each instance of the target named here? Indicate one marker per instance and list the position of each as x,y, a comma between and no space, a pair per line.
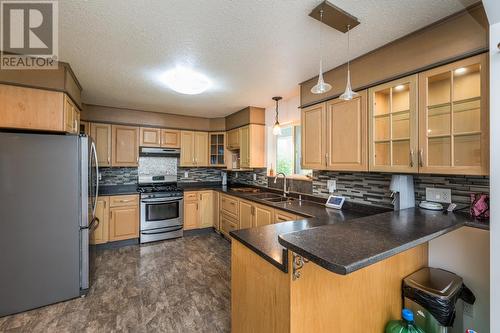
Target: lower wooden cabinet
199,210
227,224
118,219
100,234
247,211
263,215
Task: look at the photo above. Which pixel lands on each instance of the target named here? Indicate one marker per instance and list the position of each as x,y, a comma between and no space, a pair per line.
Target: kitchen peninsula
334,273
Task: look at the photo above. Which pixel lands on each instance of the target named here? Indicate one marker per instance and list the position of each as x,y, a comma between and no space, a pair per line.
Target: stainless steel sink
266,196
279,199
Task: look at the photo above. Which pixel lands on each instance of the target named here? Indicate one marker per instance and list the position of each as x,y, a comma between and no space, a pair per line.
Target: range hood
159,152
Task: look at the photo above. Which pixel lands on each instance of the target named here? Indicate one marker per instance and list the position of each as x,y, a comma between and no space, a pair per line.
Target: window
288,151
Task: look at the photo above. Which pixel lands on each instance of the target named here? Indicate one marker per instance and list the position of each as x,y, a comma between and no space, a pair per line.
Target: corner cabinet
453,118
334,135
252,146
393,126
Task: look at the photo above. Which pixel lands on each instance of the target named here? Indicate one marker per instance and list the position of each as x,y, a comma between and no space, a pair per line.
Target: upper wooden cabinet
101,134
346,145
150,137
71,116
194,149
334,135
217,149
37,109
170,138
313,137
453,118
125,146
85,128
233,139
252,146
393,124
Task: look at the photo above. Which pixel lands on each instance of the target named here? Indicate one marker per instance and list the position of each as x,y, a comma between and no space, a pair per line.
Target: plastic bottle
407,325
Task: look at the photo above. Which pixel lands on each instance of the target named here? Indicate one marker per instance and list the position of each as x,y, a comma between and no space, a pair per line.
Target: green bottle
407,325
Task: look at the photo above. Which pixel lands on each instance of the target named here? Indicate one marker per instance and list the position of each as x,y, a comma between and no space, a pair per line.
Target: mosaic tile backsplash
246,177
198,175
118,176
157,166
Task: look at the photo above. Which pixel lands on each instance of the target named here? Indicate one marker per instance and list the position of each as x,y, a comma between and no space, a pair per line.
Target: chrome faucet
285,192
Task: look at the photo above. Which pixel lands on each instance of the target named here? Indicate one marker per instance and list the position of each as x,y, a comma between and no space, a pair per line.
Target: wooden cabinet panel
263,215
206,209
191,215
124,223
150,137
101,134
190,196
233,139
346,134
282,216
125,146
124,200
170,138
247,211
454,118
229,205
227,224
28,108
313,134
71,116
99,235
393,126
201,149
85,128
217,149
187,148
252,146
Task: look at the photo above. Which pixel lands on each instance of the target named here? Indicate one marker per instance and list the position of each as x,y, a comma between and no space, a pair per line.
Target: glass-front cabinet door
393,126
217,146
453,118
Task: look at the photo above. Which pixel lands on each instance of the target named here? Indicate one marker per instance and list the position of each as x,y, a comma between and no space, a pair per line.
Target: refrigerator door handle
94,155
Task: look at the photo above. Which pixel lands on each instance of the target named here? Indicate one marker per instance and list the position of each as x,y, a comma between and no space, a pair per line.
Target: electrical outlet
254,176
438,194
332,185
236,175
186,174
468,310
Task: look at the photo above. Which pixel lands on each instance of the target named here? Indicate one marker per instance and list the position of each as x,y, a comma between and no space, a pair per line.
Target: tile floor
181,285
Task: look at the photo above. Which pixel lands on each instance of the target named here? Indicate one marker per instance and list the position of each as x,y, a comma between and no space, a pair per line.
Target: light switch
332,185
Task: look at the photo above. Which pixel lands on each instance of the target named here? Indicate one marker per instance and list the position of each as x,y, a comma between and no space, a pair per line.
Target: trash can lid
435,281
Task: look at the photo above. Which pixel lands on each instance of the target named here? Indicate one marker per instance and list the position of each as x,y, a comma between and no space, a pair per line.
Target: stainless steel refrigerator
48,192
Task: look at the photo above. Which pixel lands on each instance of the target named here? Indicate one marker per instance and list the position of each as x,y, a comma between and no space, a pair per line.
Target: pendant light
348,93
276,127
321,87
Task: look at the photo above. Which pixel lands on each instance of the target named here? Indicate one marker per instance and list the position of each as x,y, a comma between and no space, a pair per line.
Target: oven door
161,213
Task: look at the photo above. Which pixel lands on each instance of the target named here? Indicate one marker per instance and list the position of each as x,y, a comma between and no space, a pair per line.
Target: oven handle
163,230
161,200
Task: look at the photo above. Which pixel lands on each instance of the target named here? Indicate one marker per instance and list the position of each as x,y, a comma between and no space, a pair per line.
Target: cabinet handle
411,158
123,200
108,159
421,157
111,215
252,210
326,158
76,126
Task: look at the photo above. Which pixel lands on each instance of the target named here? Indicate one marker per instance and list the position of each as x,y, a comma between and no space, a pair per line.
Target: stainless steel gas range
162,204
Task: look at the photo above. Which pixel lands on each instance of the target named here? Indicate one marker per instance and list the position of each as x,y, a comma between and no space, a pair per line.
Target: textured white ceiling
251,49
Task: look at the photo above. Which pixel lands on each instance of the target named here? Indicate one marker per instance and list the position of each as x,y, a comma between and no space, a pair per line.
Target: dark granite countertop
346,247
117,189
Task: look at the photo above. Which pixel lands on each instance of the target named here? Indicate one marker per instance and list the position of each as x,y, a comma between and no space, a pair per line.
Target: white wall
465,252
495,175
289,112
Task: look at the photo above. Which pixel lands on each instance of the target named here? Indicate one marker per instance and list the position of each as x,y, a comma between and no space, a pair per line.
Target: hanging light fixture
276,127
348,93
321,87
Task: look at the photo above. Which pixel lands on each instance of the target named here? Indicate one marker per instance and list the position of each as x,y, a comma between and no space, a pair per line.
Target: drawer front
123,200
227,224
229,205
190,196
281,216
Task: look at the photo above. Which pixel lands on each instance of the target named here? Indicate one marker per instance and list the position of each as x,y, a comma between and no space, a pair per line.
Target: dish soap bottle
407,325
271,171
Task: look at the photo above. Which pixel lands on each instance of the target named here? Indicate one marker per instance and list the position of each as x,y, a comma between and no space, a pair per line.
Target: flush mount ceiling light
348,93
184,80
277,127
321,87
